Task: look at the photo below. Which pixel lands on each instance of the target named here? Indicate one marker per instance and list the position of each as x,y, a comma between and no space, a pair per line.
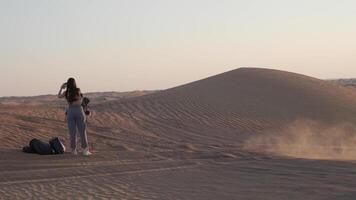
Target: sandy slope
211,139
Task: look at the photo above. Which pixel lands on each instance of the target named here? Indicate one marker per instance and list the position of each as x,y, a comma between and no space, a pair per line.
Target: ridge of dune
252,98
270,93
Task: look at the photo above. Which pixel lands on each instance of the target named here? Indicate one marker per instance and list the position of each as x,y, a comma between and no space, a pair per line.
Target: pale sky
122,45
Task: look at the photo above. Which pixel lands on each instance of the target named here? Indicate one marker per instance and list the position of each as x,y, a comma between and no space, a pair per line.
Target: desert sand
245,134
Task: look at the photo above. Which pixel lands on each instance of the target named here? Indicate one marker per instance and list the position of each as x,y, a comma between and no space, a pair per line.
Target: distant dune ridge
52,100
234,116
345,82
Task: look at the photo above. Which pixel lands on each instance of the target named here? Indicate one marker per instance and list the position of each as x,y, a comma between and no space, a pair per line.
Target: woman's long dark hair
72,90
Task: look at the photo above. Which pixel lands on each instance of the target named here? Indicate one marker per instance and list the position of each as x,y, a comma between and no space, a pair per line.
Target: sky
124,45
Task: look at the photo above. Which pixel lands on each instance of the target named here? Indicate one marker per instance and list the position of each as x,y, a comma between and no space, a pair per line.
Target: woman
75,115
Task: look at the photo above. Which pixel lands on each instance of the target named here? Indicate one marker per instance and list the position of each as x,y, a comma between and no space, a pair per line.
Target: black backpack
55,146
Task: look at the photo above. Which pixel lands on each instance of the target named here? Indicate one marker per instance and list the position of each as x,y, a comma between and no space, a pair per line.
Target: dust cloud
309,139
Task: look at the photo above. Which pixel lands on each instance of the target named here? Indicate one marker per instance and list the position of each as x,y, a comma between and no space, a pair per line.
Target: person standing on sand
75,115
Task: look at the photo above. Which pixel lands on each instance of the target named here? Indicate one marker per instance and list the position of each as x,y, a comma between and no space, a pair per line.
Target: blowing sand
244,134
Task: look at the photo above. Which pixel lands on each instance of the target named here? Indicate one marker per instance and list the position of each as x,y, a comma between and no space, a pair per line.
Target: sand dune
217,138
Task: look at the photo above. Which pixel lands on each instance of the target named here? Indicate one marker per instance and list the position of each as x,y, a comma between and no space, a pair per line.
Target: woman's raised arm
60,93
